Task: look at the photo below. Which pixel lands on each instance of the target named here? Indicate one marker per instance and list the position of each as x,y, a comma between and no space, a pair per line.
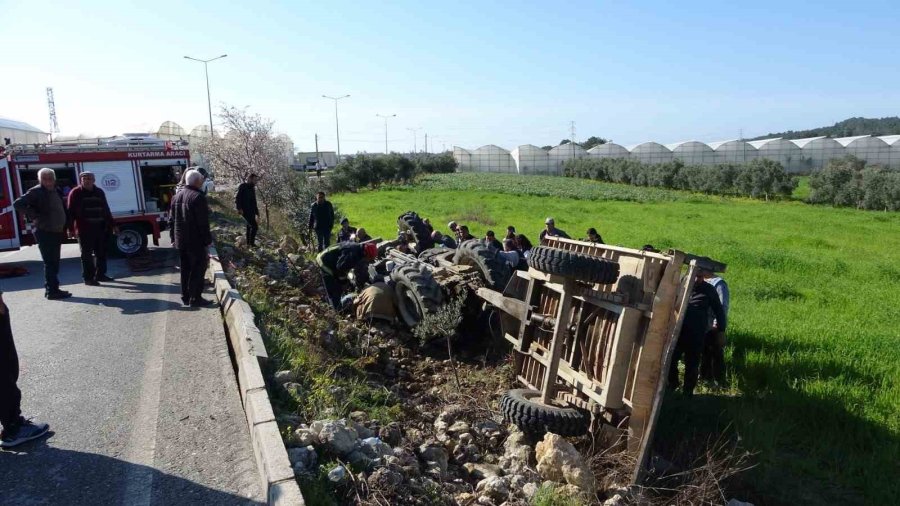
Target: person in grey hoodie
45,206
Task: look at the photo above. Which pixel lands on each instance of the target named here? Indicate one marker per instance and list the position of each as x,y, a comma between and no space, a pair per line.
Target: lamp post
337,126
415,143
208,99
385,129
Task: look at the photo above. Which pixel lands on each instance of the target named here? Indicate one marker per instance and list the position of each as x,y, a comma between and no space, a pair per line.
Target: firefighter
336,263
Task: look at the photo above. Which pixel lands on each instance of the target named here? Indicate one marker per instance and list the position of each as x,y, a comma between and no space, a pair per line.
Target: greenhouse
492,158
693,153
651,152
894,142
782,151
871,149
563,153
817,151
531,159
463,159
608,150
733,151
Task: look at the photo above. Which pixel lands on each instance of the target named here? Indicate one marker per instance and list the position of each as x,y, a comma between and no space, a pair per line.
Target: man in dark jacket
190,213
44,205
346,232
336,262
491,240
321,220
704,299
551,230
245,202
93,223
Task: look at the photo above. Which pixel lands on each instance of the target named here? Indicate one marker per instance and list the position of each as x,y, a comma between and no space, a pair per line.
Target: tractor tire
573,265
417,292
522,407
410,221
429,256
494,269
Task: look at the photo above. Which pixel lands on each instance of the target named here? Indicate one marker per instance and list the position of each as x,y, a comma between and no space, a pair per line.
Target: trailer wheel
573,265
493,267
412,222
417,292
523,408
130,240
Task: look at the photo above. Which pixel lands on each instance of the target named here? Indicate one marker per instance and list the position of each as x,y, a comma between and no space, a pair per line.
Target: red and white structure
137,173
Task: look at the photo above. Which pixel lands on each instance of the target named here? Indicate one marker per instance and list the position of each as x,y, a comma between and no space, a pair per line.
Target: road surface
139,392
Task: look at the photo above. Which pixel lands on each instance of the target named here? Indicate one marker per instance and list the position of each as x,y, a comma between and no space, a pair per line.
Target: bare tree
250,146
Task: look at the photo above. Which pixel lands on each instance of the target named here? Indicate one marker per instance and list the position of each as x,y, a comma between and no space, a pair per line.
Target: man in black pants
693,332
321,220
336,262
190,213
93,223
44,205
16,429
245,202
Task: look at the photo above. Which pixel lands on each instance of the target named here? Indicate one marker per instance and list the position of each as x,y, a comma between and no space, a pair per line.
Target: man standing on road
16,429
93,222
190,213
321,220
245,202
551,230
44,205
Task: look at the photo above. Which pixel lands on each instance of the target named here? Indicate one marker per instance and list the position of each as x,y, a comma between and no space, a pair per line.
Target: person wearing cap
93,223
336,263
245,203
593,236
551,230
346,232
45,206
690,342
491,240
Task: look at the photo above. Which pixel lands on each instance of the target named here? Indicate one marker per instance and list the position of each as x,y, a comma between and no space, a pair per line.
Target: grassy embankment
814,360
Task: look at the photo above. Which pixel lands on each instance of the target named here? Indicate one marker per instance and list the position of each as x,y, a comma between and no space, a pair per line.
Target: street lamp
415,144
385,129
208,100
337,127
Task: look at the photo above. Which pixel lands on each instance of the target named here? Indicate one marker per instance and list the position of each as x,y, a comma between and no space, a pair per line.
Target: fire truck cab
138,174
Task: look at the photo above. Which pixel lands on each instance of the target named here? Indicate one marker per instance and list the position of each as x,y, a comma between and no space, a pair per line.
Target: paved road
139,393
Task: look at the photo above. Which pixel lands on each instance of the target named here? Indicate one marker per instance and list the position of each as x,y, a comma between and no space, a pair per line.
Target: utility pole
337,127
208,99
51,106
426,143
317,148
415,146
386,116
572,130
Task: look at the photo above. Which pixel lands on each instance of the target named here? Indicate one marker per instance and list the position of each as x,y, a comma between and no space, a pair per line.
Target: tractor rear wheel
493,267
410,221
417,292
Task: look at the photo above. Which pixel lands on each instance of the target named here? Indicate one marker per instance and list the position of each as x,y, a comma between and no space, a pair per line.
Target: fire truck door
9,238
118,181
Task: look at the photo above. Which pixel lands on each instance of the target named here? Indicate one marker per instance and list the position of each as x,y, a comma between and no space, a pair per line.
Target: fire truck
138,174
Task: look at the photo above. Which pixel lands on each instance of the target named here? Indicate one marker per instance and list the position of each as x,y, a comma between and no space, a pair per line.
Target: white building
19,132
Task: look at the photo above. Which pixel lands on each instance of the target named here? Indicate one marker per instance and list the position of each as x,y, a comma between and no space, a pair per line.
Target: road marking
141,448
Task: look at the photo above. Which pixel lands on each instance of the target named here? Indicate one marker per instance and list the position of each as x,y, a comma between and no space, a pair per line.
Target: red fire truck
138,175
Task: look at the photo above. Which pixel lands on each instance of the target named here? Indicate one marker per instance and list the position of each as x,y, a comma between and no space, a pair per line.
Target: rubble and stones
558,460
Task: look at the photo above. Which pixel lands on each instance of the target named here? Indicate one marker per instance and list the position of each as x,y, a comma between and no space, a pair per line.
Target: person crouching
336,263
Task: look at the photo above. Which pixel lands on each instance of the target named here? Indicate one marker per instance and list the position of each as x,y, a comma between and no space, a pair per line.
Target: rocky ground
372,416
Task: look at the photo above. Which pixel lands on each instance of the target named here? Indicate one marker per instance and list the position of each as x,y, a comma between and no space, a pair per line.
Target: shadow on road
39,474
130,306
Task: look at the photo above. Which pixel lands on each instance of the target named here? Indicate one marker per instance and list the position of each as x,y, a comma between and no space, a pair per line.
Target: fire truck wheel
523,408
417,292
130,240
410,221
573,265
428,256
493,267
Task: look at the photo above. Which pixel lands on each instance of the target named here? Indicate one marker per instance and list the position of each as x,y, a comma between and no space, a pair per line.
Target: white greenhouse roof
762,142
12,124
649,145
803,142
846,141
717,144
890,139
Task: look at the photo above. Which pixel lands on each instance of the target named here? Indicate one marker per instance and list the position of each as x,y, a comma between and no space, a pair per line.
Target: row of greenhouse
796,155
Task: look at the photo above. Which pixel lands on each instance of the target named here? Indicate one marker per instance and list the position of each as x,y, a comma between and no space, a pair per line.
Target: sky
464,73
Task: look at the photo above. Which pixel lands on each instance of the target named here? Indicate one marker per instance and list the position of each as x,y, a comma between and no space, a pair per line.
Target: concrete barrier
245,340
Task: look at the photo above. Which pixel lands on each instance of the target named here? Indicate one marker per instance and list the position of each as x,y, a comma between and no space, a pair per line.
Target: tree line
851,182
362,171
757,179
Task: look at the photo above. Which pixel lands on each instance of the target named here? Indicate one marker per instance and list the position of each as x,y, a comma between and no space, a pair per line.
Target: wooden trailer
593,329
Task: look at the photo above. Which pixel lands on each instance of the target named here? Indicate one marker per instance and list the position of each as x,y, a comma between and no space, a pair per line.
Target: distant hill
846,128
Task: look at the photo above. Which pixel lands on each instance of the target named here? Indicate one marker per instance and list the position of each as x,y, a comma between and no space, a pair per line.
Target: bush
757,179
850,182
372,171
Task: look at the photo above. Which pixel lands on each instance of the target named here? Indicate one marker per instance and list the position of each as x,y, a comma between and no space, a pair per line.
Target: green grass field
814,358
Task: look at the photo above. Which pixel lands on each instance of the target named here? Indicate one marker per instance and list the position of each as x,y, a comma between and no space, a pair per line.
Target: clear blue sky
506,73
